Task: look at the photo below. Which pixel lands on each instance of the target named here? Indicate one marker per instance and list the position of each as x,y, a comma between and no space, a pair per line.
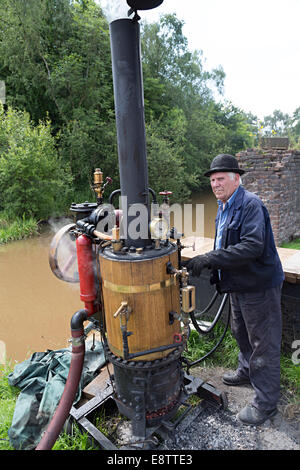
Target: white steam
114,9
56,224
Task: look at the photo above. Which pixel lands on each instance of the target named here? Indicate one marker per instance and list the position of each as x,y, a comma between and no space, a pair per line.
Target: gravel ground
216,429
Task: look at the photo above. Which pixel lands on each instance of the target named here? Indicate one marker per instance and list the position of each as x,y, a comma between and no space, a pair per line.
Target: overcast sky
256,42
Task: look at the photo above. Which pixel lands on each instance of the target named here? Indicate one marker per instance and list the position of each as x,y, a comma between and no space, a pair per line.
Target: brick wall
274,175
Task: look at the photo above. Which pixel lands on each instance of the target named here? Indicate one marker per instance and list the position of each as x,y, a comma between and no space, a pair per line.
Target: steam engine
130,276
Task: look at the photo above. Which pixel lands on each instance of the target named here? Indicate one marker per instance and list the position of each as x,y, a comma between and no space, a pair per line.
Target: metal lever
189,246
124,309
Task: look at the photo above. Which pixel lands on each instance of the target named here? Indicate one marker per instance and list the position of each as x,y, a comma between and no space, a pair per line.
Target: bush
33,182
16,229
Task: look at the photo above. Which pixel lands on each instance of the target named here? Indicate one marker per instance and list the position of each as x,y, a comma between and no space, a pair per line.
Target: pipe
192,364
215,320
85,261
130,123
72,383
118,191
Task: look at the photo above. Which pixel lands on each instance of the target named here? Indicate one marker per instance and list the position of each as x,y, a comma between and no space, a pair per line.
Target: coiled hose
194,316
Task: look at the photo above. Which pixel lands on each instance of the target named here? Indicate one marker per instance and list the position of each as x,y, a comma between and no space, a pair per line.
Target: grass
225,356
17,229
77,440
294,244
8,398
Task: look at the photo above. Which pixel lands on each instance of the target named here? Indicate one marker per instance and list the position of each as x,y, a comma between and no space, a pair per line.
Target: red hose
62,411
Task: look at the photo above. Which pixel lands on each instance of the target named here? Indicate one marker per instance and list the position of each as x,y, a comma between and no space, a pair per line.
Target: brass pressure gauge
159,228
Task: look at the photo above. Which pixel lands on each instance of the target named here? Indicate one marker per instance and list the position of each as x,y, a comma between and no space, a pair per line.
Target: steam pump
128,265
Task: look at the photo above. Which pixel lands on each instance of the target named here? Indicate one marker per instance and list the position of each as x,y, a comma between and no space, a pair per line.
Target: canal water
35,306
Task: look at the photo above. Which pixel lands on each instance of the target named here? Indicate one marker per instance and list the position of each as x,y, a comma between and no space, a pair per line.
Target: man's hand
196,264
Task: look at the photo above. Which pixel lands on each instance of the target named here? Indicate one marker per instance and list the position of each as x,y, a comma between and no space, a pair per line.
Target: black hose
216,319
192,364
210,304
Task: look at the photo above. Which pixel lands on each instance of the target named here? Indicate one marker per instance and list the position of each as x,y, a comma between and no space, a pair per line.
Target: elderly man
245,264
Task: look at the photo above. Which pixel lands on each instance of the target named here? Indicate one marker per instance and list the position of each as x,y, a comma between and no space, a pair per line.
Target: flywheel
63,255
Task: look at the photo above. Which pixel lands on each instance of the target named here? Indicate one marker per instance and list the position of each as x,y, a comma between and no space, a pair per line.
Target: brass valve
178,272
188,295
117,243
98,180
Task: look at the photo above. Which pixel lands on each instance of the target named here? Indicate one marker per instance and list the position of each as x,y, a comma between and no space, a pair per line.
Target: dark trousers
257,327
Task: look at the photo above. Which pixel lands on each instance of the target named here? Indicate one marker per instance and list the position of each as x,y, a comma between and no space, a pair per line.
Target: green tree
33,182
295,128
55,60
175,78
165,153
277,123
180,72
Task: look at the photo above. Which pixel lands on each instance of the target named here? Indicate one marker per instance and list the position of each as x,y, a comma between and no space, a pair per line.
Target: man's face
223,186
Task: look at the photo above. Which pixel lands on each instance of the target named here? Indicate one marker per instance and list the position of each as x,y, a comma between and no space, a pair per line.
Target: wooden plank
292,264
95,386
202,245
104,442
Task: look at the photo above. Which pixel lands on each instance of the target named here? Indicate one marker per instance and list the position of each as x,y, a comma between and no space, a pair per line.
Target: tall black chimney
130,122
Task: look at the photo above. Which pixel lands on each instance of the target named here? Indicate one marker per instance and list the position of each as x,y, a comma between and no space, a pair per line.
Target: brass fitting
117,243
98,180
188,299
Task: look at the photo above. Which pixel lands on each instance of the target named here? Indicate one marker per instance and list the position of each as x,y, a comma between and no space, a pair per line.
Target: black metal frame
165,427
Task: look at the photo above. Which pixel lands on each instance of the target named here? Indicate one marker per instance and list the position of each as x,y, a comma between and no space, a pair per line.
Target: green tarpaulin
42,379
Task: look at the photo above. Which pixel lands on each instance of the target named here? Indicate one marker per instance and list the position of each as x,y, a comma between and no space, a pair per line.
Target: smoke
56,224
114,9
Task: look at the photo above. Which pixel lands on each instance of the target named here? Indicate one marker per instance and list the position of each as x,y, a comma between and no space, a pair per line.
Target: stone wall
274,175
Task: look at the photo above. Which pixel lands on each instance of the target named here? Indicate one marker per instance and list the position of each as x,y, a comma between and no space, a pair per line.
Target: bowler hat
224,162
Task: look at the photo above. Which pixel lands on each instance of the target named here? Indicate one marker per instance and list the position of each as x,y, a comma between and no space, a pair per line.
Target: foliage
33,181
55,61
165,149
225,355
17,229
175,80
294,244
290,375
166,58
77,440
278,124
8,397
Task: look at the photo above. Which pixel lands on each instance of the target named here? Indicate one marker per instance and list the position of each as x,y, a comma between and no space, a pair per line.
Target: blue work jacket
247,260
